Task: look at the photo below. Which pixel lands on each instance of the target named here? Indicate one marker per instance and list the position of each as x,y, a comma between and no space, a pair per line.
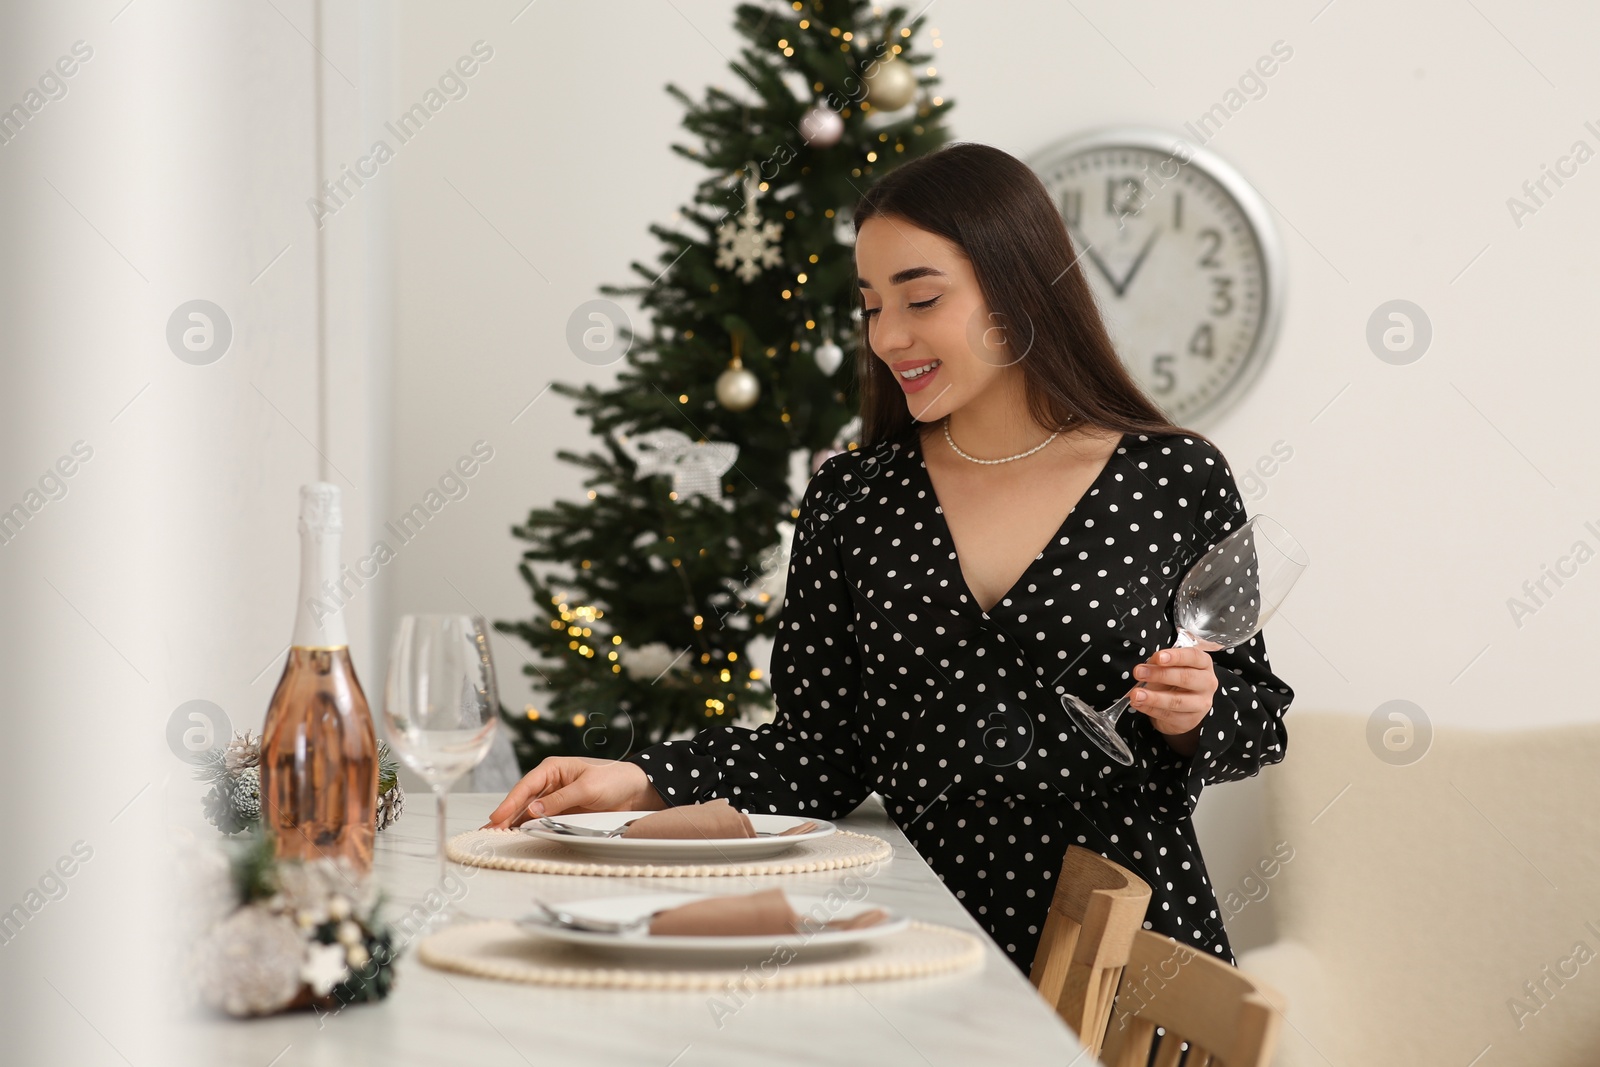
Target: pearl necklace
1008,459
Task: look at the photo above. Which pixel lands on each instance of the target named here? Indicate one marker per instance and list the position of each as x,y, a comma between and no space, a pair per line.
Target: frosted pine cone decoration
390,805
233,803
249,964
283,935
247,794
243,751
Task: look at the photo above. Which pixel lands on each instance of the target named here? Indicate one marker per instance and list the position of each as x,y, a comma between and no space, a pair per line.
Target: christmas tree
675,562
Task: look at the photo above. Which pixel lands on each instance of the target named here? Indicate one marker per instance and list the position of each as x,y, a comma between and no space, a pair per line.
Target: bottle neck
319,612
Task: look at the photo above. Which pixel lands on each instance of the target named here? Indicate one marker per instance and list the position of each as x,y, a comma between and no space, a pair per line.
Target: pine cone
243,751
247,794
390,805
219,808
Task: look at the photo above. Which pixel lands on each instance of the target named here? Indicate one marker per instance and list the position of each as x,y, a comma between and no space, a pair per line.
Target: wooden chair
1095,911
1228,1018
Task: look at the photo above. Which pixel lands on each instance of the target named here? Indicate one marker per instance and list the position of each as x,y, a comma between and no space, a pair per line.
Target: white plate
680,850
623,908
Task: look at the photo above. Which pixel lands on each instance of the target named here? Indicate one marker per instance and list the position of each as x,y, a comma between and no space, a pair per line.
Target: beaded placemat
513,850
499,949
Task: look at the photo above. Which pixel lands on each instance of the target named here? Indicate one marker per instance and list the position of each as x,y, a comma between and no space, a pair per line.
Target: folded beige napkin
764,912
713,820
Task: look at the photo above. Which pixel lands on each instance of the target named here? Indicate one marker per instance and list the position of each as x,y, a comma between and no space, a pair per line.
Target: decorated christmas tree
648,594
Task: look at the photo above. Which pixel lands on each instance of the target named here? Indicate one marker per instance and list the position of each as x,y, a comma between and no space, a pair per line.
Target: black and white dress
888,676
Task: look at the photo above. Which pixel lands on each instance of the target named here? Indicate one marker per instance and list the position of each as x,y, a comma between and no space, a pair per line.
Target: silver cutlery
590,831
570,921
581,831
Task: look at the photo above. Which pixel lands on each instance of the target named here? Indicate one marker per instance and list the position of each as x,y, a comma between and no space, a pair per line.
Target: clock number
1202,343
1177,209
1223,295
1163,373
1208,259
1072,207
1131,191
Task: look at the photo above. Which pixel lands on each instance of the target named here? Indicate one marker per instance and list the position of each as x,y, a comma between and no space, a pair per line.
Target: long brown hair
994,208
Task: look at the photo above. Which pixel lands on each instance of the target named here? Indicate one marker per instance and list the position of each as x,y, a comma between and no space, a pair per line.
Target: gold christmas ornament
737,388
890,85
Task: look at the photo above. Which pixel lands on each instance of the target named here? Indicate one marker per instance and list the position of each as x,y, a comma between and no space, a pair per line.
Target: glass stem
444,835
1114,712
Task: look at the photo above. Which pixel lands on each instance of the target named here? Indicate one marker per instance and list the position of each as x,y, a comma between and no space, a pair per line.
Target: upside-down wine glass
1223,601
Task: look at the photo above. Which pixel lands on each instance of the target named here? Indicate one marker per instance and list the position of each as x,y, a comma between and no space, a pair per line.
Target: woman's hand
1180,684
561,784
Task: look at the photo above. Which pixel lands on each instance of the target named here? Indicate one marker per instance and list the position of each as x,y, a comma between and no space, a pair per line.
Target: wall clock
1182,256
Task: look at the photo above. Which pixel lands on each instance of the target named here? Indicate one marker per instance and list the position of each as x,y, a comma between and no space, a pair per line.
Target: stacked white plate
678,849
818,910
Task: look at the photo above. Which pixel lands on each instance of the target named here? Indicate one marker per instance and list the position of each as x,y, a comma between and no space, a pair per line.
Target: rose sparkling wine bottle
319,752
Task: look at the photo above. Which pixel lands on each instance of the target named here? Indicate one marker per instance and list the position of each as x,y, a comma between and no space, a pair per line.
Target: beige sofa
1443,912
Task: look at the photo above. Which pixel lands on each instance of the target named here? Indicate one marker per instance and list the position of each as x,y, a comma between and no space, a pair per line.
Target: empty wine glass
441,708
1224,601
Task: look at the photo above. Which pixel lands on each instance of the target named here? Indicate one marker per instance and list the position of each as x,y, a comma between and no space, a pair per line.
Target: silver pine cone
390,805
247,794
243,751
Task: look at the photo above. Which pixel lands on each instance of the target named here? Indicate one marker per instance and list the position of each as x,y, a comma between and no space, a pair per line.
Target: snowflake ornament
324,967
748,245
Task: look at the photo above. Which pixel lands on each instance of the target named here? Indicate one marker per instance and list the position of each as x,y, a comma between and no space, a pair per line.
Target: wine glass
441,708
1224,601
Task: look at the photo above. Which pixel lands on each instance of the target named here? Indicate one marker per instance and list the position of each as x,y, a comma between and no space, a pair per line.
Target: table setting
449,1016
328,922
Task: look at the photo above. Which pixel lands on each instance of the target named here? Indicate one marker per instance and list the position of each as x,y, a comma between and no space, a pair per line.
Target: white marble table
990,1015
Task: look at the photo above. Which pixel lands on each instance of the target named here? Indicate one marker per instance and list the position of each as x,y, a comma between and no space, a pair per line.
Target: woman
1015,521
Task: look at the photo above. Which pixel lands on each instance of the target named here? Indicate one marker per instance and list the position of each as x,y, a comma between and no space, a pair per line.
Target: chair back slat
1194,997
1135,1049
1169,1052
1095,910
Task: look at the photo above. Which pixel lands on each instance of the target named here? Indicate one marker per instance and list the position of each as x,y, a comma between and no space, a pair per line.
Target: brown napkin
713,819
764,912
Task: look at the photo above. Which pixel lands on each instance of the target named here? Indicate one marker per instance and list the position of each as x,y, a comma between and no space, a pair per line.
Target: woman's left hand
1180,684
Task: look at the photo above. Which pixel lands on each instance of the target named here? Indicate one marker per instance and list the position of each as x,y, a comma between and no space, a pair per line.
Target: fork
590,831
582,831
598,926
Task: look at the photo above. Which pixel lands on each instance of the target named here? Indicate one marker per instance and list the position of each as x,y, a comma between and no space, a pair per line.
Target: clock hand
1104,272
1138,260
1121,287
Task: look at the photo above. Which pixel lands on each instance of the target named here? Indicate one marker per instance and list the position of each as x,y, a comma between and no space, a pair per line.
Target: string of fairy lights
576,621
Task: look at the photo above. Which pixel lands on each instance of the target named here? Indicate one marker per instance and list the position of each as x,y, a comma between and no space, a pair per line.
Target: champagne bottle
319,752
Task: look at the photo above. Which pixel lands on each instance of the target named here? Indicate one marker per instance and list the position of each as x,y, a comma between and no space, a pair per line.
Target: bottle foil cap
319,508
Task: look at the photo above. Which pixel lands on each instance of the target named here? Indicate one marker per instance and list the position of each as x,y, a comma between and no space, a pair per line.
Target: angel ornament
696,468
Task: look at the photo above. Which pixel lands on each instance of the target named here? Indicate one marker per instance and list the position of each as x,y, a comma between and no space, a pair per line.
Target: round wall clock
1183,259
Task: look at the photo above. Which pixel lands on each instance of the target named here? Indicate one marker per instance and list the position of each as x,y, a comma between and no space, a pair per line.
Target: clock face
1181,259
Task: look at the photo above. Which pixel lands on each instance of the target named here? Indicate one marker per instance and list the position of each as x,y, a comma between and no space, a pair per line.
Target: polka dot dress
888,676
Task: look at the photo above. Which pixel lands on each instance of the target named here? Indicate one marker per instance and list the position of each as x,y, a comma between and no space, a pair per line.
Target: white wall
1387,145
511,207
176,166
